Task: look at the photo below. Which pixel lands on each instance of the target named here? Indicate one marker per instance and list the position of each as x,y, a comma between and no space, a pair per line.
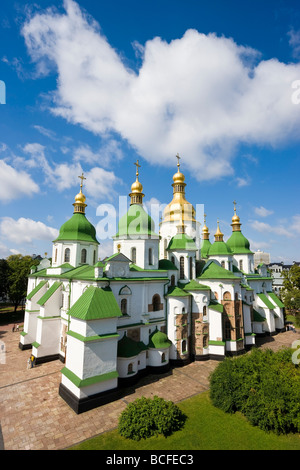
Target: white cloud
15,184
200,95
241,182
262,211
26,230
267,228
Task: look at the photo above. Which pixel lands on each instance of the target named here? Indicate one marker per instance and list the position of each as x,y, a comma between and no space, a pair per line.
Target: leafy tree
19,270
291,288
3,277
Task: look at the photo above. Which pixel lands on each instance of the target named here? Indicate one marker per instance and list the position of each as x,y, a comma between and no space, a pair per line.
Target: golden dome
80,198
219,235
179,209
205,231
79,204
136,188
236,224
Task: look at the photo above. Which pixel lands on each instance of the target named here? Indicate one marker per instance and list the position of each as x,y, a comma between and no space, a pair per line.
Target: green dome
78,228
219,248
205,246
238,243
136,222
159,340
181,241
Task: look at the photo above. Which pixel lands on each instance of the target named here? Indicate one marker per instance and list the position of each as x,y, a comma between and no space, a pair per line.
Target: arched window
67,255
205,341
130,368
173,259
133,255
94,257
227,295
241,265
156,303
181,261
172,280
183,346
55,257
124,306
83,256
223,264
163,357
191,268
204,310
150,257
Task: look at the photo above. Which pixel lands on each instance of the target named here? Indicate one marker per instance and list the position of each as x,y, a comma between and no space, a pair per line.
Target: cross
137,167
178,158
82,178
234,202
204,218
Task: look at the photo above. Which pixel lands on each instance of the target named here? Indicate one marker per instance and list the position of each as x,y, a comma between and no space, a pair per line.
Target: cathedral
167,296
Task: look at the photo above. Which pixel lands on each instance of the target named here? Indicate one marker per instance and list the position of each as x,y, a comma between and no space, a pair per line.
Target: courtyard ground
34,417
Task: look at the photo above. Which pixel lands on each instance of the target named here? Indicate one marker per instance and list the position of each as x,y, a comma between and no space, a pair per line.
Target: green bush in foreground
147,417
263,385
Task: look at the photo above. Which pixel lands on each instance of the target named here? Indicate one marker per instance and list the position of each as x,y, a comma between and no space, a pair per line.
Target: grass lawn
207,428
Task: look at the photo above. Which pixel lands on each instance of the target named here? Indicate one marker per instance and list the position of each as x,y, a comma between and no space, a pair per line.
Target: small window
163,357
67,255
241,265
94,257
124,306
183,346
172,280
133,255
223,264
181,262
130,368
227,330
83,256
150,257
55,258
156,303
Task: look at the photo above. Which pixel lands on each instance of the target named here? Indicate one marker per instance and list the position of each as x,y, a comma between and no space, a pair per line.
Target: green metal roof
78,228
219,248
275,299
266,301
257,316
214,305
136,222
167,265
127,347
205,246
159,340
181,241
95,303
193,285
49,293
239,244
213,270
36,289
175,291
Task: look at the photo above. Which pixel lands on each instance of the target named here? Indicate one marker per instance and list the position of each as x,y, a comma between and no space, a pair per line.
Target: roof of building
219,248
239,244
159,340
77,228
95,303
213,270
127,347
182,241
136,222
49,293
36,289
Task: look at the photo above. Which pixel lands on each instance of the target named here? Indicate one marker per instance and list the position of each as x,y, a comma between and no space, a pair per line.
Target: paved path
34,417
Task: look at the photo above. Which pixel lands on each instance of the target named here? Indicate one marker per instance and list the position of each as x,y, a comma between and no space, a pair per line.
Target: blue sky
93,86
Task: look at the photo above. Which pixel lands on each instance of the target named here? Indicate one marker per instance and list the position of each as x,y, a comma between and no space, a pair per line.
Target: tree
19,270
3,277
291,288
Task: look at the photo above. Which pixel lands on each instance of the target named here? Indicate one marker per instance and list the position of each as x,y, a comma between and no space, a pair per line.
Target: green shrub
263,385
147,417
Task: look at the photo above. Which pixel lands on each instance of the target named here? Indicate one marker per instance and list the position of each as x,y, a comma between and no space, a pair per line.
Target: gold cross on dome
234,202
82,178
178,158
137,167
